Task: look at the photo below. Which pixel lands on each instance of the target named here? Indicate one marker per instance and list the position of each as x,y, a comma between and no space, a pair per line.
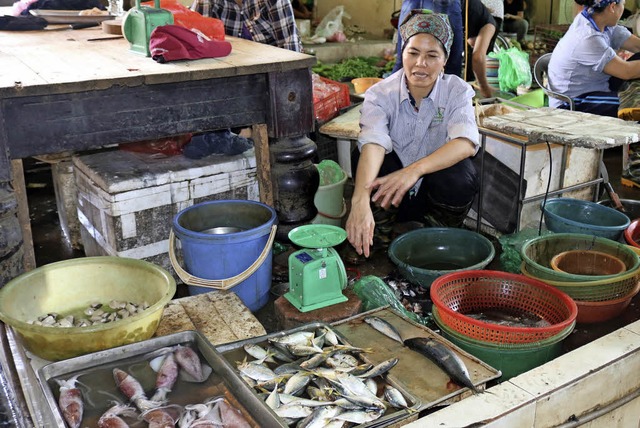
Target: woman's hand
390,189
359,227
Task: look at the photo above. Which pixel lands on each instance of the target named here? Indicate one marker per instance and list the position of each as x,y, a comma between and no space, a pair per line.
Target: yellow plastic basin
72,285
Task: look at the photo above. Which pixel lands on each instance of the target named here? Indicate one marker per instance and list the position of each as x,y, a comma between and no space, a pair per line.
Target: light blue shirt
388,119
579,58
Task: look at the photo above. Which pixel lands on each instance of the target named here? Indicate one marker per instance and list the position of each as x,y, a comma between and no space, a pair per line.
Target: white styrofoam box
127,201
581,166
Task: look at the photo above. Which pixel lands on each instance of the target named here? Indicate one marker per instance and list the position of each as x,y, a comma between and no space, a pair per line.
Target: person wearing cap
481,31
264,21
417,136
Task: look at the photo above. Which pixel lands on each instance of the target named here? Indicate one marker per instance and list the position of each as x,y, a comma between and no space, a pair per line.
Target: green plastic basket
511,359
538,252
593,291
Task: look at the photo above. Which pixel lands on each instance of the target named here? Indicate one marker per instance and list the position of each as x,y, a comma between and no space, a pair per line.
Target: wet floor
51,245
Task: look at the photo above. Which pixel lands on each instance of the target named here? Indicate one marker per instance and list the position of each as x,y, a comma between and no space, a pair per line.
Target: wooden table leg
263,163
17,172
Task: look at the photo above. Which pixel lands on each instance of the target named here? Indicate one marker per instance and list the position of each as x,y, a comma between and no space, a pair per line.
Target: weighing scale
140,21
316,273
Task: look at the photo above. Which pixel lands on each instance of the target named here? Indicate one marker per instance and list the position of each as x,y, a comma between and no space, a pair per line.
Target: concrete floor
50,246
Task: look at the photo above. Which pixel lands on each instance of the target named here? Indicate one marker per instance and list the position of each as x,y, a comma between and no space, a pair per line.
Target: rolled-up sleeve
374,123
462,120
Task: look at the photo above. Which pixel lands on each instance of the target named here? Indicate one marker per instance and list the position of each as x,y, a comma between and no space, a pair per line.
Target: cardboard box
127,201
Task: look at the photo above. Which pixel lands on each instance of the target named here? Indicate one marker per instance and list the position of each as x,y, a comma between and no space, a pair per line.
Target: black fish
444,358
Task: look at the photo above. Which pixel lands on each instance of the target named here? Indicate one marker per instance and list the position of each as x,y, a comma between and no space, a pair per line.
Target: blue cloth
216,142
578,60
453,9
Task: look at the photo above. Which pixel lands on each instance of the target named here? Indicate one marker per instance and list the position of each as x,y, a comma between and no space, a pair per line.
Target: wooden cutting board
112,26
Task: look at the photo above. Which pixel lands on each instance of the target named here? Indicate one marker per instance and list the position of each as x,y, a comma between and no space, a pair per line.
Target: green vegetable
350,68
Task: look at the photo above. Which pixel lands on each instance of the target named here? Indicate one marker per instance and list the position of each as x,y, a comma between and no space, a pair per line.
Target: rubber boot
443,215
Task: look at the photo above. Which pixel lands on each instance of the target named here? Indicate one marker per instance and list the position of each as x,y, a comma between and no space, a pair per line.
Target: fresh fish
303,350
189,361
257,372
349,348
346,384
293,411
293,367
314,361
359,416
319,394
132,389
342,360
297,383
368,403
357,370
372,385
111,418
303,338
70,402
273,399
162,417
280,354
384,327
319,340
444,358
395,397
331,336
381,368
293,399
269,385
259,353
319,418
166,377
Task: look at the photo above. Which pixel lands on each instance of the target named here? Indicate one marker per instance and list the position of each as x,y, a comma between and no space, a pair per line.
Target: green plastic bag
374,293
514,69
511,257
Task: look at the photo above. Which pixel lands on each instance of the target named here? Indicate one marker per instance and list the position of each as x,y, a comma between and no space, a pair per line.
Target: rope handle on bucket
219,284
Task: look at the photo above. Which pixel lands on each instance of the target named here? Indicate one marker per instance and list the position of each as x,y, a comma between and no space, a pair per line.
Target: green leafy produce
351,68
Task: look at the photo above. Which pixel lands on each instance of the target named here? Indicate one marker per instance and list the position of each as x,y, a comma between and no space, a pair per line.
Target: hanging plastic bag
374,293
212,28
514,69
331,27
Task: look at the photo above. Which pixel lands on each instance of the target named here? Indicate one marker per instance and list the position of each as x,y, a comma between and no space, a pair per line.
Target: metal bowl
71,286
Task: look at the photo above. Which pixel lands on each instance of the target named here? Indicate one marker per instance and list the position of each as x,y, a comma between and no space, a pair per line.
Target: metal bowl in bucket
226,244
70,287
422,255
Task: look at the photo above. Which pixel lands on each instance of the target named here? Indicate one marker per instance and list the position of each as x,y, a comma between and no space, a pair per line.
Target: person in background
264,21
585,66
300,10
481,33
496,8
418,133
514,20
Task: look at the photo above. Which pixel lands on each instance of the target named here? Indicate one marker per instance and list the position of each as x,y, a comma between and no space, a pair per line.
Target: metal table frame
524,144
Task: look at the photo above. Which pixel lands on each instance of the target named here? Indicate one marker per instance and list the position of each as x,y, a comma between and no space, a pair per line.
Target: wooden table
64,90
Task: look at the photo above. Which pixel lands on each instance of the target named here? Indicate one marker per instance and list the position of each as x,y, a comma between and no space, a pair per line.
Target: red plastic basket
460,293
329,97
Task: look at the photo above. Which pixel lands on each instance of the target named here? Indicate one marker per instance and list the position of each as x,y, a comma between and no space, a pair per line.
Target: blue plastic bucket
225,239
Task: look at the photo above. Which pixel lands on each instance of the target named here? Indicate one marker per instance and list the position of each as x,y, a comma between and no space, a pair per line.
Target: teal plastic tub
422,255
567,215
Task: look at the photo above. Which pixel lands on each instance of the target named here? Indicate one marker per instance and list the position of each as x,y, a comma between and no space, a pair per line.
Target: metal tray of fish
428,382
386,385
97,384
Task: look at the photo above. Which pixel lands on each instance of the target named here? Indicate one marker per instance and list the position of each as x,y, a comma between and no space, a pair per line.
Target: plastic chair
539,70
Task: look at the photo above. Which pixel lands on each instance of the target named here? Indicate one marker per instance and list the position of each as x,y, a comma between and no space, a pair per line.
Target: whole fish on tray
444,358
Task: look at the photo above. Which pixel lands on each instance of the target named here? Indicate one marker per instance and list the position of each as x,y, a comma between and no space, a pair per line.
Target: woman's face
618,10
423,60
